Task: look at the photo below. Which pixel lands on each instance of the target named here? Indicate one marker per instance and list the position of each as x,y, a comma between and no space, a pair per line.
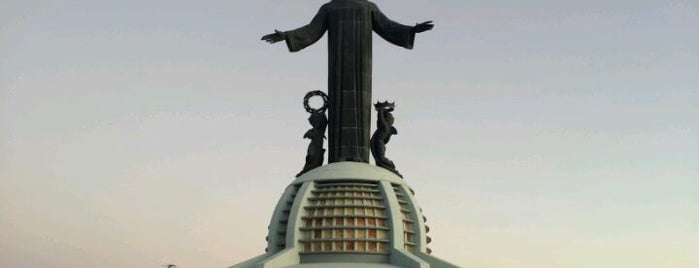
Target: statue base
347,212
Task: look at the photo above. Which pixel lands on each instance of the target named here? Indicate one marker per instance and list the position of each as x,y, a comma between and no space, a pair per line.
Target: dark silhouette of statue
382,135
316,152
349,24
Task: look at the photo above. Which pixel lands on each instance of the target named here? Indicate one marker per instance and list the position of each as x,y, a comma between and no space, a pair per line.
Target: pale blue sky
537,134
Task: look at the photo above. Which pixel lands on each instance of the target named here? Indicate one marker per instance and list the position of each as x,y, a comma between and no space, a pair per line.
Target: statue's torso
344,14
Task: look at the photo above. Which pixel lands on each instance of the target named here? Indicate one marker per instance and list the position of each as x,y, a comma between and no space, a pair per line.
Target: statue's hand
422,27
275,37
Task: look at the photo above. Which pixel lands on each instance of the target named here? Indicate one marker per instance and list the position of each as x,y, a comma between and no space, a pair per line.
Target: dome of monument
347,212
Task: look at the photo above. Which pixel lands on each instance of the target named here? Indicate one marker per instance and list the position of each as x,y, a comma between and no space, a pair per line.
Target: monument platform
347,214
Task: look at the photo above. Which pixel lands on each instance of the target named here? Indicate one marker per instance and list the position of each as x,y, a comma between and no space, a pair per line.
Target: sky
536,134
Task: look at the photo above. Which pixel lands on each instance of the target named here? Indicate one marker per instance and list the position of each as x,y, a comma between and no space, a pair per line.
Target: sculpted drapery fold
349,24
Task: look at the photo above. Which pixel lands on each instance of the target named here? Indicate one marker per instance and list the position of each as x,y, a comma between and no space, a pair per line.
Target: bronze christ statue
349,24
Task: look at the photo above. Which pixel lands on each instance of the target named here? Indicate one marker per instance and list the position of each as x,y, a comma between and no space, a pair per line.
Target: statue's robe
349,24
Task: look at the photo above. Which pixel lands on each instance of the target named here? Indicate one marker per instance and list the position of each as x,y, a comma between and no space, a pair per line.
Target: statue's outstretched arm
302,37
394,32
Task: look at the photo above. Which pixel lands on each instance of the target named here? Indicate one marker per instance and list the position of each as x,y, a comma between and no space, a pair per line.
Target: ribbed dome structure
347,214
